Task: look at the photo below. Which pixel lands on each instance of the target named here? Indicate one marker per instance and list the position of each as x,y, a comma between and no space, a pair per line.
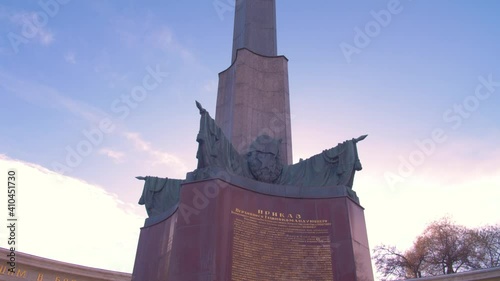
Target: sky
421,78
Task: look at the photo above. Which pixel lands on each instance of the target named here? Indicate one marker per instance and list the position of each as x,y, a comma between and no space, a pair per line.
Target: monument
246,212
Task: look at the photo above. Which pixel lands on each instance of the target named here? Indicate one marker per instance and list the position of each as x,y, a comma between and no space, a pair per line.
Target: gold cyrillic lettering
21,274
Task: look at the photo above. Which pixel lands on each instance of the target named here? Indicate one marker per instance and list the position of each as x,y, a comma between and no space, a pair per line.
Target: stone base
221,231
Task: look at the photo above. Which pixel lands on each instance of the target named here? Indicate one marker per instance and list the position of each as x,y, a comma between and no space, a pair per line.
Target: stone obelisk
253,94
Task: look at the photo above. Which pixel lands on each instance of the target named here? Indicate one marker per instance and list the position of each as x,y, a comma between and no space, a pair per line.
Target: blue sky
424,84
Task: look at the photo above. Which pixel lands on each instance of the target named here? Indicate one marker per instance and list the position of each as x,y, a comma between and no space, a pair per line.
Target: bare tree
443,248
395,264
487,247
448,245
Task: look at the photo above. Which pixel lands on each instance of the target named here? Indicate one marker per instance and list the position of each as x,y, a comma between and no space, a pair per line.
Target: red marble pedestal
221,231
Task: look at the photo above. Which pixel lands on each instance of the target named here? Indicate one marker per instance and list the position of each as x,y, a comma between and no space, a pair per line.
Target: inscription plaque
277,246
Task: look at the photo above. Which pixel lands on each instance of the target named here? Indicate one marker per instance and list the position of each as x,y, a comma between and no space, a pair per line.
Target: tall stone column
255,27
253,94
